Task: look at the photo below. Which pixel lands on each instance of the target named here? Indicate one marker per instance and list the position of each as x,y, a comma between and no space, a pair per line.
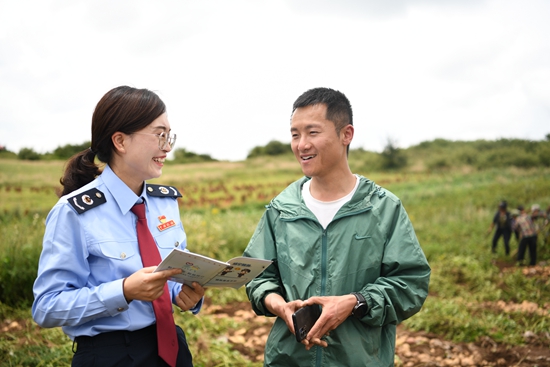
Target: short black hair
338,106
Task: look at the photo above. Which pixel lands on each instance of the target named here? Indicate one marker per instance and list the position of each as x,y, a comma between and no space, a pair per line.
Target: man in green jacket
339,241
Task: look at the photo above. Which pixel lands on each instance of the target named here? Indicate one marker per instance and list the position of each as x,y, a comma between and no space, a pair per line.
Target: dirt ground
417,348
412,348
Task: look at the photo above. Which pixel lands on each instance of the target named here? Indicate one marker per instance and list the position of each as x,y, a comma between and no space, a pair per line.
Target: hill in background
437,154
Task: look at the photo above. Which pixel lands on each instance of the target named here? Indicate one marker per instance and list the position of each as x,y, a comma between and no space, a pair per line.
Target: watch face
360,310
361,307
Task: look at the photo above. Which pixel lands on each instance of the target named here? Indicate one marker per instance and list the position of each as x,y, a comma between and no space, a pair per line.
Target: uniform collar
122,194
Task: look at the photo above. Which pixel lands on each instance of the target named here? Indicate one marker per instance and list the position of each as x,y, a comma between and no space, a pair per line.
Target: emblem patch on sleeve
163,191
87,200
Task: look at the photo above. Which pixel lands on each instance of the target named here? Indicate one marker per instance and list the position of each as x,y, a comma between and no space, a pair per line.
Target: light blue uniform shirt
85,258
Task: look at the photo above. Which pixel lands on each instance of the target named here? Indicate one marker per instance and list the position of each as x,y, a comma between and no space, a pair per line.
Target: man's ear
347,134
119,140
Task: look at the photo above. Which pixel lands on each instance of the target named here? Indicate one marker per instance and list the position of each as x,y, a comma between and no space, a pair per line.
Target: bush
364,162
272,148
467,157
67,151
506,157
544,155
183,156
393,157
439,163
275,147
28,154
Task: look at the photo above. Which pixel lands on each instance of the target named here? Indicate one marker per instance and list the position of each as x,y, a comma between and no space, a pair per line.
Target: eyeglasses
164,139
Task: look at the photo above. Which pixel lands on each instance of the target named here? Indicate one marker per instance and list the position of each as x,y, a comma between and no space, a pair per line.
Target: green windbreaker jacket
369,247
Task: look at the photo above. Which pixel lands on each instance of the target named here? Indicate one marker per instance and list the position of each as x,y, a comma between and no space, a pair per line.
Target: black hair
123,109
338,106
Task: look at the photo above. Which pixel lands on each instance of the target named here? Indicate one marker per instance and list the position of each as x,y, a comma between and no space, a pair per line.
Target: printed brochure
209,272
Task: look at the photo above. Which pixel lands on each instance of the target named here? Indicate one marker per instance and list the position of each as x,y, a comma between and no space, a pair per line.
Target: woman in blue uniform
95,279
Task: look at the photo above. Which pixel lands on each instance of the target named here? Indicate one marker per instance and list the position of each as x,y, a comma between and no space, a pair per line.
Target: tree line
67,151
435,154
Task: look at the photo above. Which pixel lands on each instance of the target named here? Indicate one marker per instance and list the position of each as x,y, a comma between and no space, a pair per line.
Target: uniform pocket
112,259
118,250
170,239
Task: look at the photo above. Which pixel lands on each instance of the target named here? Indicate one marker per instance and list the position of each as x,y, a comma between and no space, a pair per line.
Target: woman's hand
188,297
144,285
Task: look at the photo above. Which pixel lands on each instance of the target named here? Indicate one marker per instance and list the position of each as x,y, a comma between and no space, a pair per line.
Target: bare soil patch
412,348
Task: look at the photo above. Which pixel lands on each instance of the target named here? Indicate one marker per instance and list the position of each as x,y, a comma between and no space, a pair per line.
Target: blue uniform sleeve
62,294
195,310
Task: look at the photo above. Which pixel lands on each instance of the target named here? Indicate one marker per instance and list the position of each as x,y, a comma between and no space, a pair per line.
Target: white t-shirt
325,210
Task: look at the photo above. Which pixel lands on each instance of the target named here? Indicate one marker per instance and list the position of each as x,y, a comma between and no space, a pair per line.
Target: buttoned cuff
112,295
195,310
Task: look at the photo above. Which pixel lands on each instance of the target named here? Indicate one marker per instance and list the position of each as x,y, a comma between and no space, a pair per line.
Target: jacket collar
291,205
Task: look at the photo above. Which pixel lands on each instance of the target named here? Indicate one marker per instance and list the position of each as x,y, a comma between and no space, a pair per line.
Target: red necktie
166,330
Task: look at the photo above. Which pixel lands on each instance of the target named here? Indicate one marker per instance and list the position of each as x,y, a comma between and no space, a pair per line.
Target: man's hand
144,285
335,310
188,297
277,305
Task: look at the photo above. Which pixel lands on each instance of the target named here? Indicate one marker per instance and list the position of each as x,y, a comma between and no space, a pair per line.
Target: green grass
19,251
451,211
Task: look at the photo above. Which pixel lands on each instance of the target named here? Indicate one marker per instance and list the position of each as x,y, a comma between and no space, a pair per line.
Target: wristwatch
361,308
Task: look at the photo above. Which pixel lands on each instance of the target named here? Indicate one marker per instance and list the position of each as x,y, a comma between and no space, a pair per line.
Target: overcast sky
229,71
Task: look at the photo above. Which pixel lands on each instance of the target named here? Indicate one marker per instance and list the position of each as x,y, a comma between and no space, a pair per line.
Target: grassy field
473,294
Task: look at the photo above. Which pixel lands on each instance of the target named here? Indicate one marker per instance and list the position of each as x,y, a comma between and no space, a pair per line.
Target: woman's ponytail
80,170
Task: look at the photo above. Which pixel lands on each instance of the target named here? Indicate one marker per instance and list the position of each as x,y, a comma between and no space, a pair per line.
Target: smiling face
138,157
320,151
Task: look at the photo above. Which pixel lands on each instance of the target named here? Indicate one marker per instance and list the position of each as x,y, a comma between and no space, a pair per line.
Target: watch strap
361,308
359,296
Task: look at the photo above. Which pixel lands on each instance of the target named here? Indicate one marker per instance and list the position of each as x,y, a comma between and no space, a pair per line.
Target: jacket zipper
324,250
324,265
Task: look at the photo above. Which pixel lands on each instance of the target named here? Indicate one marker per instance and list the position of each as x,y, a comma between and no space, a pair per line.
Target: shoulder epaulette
163,191
87,200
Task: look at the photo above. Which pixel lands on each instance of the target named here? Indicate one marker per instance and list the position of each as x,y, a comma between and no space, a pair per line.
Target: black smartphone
304,319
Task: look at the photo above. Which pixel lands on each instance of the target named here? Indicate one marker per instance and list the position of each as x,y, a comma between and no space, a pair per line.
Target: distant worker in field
540,220
502,220
528,235
339,241
515,230
103,241
538,217
546,228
